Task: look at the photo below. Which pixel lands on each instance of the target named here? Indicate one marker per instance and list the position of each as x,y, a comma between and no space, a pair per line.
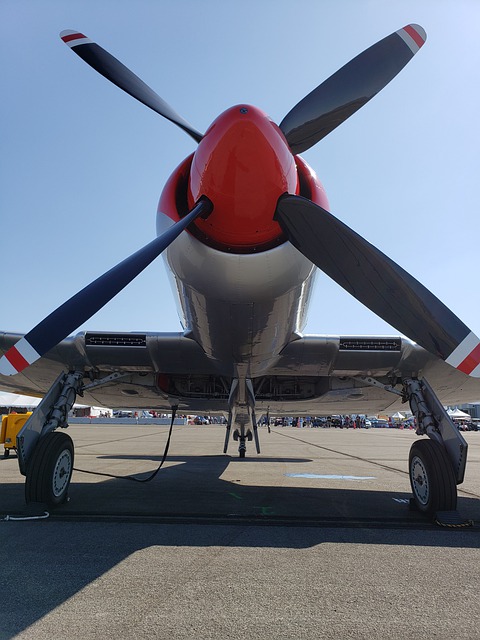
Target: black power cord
133,478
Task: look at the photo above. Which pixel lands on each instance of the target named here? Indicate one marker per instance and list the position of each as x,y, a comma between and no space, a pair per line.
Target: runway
313,538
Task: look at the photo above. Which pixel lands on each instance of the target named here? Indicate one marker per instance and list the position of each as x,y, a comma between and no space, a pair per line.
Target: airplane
243,225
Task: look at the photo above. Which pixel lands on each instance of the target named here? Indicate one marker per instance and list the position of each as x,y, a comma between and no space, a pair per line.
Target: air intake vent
115,340
370,344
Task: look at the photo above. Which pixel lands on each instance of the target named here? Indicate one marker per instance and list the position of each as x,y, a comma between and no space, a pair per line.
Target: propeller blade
116,72
352,86
71,314
378,282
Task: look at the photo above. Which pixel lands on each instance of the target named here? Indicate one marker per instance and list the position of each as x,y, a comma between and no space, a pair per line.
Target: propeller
378,282
352,86
351,261
66,318
119,74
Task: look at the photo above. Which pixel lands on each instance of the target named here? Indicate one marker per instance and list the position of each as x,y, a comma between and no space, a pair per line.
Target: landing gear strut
242,411
437,465
45,456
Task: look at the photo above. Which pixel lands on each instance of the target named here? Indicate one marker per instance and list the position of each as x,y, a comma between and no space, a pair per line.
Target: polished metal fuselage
242,309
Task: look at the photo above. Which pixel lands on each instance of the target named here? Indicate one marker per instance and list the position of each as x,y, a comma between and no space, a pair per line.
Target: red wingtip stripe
72,36
471,361
419,41
16,359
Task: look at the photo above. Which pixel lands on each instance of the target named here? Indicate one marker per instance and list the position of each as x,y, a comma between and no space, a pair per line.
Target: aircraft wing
133,356
315,374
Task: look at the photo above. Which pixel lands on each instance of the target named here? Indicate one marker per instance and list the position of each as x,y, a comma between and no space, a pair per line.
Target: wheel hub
61,473
420,480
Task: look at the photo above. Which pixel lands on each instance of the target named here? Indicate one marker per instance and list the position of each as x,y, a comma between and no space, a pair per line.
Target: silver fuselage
242,309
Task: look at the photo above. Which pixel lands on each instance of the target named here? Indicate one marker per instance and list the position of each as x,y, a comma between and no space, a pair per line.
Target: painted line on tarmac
342,453
328,476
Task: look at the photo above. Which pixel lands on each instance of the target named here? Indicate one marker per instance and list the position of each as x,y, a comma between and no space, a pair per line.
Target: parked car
379,423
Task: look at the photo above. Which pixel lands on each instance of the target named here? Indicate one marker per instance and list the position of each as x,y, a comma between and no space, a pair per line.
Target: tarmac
312,538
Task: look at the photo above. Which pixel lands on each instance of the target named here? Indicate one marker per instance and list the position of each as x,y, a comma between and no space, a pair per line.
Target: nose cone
243,164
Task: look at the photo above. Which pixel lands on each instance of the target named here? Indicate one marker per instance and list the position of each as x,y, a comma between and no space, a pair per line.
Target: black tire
432,478
6,453
242,453
49,470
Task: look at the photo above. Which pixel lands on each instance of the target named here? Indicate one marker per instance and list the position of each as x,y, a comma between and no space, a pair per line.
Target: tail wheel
50,470
431,477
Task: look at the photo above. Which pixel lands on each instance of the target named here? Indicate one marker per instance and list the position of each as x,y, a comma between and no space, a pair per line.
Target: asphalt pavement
313,538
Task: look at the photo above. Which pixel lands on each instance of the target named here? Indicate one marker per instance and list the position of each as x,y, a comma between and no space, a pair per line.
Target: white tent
398,416
17,400
457,413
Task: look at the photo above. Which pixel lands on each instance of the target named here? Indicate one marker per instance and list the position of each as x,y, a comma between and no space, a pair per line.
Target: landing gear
45,456
437,464
242,412
49,470
431,477
240,436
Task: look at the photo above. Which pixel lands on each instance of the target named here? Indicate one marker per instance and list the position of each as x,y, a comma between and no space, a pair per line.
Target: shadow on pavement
44,563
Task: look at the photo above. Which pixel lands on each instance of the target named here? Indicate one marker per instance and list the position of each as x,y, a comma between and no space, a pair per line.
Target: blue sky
83,164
